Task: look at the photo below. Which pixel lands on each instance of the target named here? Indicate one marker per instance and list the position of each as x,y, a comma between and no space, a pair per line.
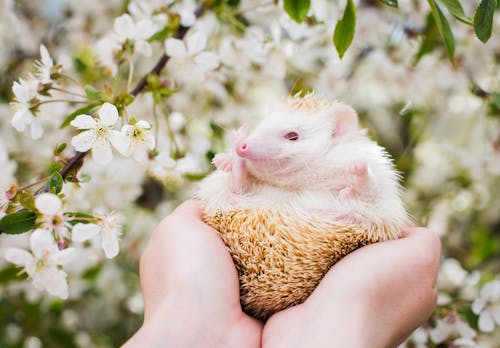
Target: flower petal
18,256
64,256
120,141
491,290
84,122
110,244
441,332
21,91
188,18
124,26
495,312
41,241
101,151
175,48
82,232
144,29
196,42
21,119
486,323
108,114
45,56
54,281
84,141
478,305
143,124
207,61
48,203
143,47
36,129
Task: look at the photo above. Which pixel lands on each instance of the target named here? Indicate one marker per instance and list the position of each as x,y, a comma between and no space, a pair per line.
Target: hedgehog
293,196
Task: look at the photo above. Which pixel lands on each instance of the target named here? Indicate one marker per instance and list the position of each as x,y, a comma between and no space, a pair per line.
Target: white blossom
163,168
140,9
105,49
192,50
186,10
45,66
98,133
25,92
451,326
126,29
487,306
42,263
52,219
135,139
110,231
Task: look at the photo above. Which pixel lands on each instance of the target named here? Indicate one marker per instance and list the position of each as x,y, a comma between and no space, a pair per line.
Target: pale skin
374,297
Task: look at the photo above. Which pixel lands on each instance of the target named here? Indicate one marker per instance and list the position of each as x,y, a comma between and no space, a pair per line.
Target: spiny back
309,103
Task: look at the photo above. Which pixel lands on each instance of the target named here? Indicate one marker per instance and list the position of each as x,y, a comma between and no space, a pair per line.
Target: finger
405,227
424,245
190,208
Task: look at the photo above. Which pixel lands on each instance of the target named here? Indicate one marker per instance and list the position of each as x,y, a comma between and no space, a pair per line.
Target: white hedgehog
302,190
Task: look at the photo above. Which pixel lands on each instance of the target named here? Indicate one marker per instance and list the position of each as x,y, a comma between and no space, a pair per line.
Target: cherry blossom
451,326
487,306
136,139
105,49
97,134
192,49
45,66
108,227
127,29
42,263
52,218
25,92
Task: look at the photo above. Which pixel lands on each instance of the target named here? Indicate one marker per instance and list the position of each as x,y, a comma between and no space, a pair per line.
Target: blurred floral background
80,195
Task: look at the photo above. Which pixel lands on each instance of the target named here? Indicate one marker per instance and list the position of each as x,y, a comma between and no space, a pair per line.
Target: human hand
374,297
190,288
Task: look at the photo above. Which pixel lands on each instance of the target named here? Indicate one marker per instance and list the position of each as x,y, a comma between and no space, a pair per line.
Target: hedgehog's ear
346,119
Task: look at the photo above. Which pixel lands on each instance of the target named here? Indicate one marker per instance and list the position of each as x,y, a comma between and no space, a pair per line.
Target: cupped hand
190,288
374,297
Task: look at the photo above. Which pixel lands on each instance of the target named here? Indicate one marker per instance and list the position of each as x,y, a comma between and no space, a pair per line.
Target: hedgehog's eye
292,136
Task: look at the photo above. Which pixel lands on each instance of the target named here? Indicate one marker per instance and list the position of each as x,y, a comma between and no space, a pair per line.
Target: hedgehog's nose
241,149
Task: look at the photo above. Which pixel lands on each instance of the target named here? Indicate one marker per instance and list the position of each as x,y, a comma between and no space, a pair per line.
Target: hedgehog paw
223,162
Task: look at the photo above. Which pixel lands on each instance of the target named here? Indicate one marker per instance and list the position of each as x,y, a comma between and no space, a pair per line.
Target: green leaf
444,29
455,8
9,274
26,199
430,38
483,19
56,182
59,149
297,9
80,111
392,3
160,35
93,93
19,222
344,30
495,103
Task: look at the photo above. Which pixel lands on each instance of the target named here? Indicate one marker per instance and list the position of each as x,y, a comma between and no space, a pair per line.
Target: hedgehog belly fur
281,256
